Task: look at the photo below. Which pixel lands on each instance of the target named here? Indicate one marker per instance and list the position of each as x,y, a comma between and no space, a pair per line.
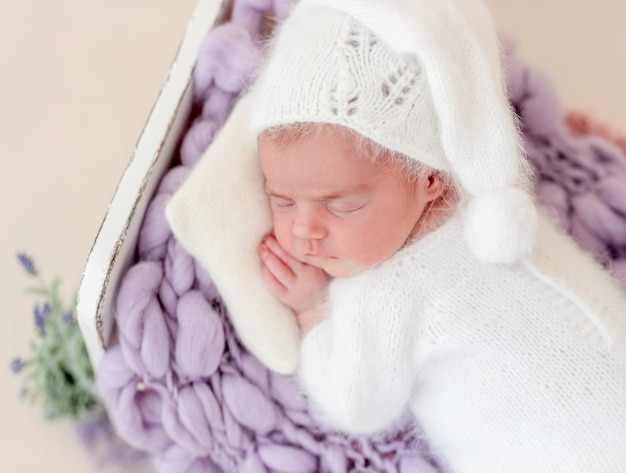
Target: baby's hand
296,284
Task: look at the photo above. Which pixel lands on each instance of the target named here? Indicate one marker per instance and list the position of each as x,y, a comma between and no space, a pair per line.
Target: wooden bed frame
113,251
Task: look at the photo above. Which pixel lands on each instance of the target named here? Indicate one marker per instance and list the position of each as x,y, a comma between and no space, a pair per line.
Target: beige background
78,80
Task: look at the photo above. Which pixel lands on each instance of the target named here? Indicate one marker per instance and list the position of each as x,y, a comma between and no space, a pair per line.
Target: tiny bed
177,380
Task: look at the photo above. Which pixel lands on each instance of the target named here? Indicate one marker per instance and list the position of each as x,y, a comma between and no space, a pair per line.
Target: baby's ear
433,185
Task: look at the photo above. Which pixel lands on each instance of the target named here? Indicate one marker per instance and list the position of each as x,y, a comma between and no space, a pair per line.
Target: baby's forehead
342,142
330,135
324,162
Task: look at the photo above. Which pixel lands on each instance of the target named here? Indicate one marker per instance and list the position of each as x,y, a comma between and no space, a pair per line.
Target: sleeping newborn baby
405,240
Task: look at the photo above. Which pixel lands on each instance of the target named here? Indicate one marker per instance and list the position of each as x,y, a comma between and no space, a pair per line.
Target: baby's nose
307,227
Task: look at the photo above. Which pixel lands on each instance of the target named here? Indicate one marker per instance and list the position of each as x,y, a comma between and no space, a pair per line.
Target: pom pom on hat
419,77
501,225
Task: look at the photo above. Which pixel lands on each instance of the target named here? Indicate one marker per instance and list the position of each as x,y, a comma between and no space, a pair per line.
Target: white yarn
508,368
328,68
511,218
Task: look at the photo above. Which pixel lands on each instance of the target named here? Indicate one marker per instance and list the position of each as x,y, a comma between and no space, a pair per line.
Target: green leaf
59,375
54,292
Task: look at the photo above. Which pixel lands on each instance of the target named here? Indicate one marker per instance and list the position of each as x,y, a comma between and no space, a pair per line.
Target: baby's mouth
317,260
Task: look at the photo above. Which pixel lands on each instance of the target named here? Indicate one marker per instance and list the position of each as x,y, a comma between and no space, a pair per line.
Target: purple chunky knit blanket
180,385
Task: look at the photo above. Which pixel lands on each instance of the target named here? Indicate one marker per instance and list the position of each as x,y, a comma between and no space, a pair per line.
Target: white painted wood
114,248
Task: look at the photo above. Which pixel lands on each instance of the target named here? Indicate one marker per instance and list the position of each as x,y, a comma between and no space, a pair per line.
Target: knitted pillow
220,215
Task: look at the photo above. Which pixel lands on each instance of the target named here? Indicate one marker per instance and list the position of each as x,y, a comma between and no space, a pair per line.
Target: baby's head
343,203
388,102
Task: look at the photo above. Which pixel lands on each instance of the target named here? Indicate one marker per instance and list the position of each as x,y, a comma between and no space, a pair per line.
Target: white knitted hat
419,77
328,68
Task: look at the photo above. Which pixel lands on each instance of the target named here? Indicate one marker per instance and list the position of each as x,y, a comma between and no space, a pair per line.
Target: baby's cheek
282,232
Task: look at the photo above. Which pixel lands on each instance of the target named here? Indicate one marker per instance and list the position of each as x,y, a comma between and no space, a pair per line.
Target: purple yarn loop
182,387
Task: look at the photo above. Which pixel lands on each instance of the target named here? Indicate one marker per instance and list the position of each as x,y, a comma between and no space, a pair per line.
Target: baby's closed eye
281,202
344,207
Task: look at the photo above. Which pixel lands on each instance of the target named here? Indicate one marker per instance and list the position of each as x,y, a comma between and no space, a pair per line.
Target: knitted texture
347,76
420,78
236,415
504,356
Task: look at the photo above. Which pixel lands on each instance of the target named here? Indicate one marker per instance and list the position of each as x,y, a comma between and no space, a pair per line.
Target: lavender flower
68,317
58,373
27,263
16,365
40,315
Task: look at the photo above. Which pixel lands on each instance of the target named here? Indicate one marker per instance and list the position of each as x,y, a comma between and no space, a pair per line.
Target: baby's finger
275,265
278,250
272,283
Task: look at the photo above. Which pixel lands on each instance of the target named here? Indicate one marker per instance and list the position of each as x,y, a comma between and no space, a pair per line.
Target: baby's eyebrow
277,194
271,192
334,196
357,191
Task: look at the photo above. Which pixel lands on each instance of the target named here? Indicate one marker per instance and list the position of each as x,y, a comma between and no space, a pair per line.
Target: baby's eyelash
281,203
344,207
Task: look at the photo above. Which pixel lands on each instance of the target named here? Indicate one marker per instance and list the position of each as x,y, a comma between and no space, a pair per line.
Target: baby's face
334,209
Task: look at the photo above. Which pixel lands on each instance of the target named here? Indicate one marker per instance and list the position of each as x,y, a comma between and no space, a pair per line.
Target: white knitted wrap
420,77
